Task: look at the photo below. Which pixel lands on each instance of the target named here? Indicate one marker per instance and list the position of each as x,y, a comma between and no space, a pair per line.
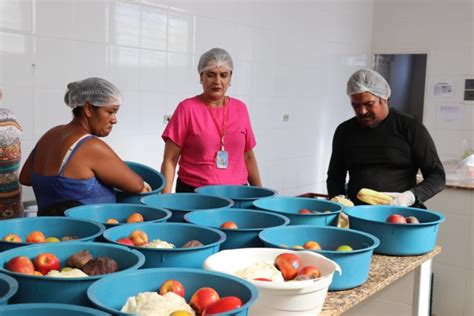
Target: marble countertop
384,270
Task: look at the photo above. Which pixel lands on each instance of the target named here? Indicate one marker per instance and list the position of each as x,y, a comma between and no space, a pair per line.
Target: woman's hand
146,187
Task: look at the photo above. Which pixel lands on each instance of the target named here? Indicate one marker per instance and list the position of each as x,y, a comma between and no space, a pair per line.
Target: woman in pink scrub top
210,134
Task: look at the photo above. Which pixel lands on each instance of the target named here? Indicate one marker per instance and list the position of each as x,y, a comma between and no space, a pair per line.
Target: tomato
224,304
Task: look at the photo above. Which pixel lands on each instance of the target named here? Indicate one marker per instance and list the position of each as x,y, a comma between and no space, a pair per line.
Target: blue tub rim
144,199
58,306
256,202
253,290
69,307
222,237
283,217
274,192
12,287
441,217
166,211
141,261
154,191
375,240
50,218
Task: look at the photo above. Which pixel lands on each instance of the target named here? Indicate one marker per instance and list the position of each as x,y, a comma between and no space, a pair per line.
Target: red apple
125,241
138,237
21,264
46,262
229,225
12,238
396,218
172,286
202,298
312,245
308,272
305,211
36,236
222,305
412,220
289,265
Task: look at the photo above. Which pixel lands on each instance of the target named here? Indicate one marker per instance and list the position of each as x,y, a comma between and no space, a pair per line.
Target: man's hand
406,198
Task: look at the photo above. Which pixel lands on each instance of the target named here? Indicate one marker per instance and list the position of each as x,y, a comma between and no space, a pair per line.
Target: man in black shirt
382,148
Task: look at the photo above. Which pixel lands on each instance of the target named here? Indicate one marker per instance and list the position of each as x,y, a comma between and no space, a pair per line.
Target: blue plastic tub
151,280
8,288
42,289
397,239
182,203
120,211
49,309
354,264
151,176
177,234
53,226
249,223
242,195
290,206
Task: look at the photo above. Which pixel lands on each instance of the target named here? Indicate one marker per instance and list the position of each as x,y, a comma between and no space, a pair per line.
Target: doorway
406,75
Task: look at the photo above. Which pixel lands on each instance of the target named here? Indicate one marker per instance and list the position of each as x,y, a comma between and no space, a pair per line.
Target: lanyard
221,130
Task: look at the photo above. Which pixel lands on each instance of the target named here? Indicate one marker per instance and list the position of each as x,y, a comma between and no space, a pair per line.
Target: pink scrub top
193,129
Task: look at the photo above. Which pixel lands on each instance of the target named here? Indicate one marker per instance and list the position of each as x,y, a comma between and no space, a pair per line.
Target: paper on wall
451,113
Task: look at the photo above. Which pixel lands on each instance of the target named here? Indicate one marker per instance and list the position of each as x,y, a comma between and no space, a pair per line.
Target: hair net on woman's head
368,80
215,57
97,91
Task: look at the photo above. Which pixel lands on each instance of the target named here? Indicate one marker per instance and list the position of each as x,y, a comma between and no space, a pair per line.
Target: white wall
292,57
444,30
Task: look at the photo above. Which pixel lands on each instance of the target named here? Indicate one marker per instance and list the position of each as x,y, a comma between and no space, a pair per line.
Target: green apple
344,248
52,239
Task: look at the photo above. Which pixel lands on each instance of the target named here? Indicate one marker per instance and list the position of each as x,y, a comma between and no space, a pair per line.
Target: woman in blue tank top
70,165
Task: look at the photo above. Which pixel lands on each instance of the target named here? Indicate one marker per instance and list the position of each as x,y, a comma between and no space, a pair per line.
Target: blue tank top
50,190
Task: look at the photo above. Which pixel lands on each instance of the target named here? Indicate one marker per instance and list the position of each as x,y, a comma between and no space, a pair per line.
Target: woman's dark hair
78,110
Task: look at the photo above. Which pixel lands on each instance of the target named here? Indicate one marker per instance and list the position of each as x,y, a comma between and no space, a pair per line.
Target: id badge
222,159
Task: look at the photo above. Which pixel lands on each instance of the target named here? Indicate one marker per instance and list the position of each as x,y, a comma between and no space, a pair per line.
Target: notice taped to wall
443,89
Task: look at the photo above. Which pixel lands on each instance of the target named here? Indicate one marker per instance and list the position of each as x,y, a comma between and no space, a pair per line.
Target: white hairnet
216,57
368,80
97,91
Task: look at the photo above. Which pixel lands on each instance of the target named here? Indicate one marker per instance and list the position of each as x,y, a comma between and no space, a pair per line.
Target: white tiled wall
291,57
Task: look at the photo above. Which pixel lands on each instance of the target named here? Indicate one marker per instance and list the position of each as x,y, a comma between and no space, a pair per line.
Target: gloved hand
406,198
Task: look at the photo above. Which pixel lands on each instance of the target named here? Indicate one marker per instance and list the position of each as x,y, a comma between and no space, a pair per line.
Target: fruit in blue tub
412,220
229,225
202,298
344,248
312,245
305,211
21,264
396,219
223,305
172,286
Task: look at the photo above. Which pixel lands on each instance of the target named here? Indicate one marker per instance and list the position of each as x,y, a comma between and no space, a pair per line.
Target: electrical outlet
166,119
286,117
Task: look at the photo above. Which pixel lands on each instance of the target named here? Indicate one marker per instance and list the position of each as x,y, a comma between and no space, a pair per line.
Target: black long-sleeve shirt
385,158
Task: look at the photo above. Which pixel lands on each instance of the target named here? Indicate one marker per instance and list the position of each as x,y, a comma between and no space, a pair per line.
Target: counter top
384,270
